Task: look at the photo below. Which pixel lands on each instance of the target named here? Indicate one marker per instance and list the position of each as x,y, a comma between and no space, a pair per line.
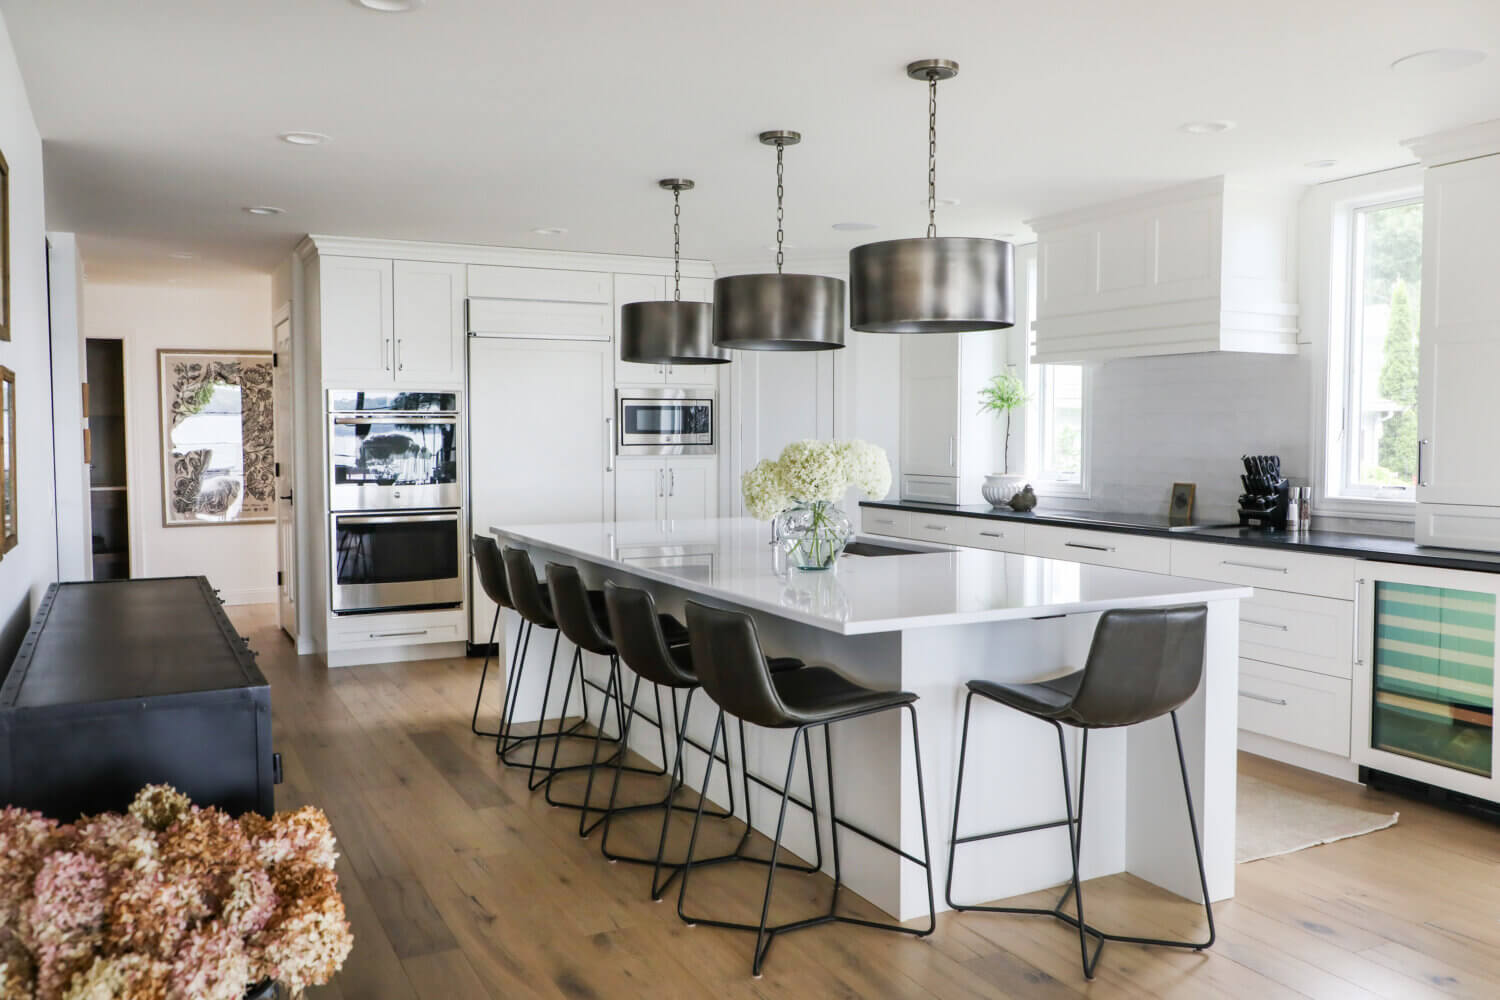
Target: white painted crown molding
830,263
1479,139
468,253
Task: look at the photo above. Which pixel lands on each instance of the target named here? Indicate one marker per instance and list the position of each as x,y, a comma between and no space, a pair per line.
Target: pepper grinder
1294,511
1304,507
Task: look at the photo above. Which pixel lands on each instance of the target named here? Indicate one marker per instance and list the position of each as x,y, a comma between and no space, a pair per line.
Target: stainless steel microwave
665,422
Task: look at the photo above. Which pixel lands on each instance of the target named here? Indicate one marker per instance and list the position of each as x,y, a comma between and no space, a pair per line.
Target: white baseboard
395,654
1299,756
256,595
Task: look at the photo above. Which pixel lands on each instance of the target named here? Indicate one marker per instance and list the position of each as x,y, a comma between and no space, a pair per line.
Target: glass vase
814,534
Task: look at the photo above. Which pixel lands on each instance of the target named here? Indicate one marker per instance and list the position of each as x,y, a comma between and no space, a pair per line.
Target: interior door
286,525
541,448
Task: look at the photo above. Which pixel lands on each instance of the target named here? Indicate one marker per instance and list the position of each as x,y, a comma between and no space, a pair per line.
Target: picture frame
1180,505
217,437
10,532
4,248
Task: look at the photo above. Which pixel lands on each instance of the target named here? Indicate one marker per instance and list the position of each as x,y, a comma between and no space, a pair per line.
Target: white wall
26,570
233,314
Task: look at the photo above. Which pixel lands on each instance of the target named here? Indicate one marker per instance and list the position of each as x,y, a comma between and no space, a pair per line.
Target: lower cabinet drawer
999,535
1265,568
1295,630
1101,548
878,521
1308,709
938,528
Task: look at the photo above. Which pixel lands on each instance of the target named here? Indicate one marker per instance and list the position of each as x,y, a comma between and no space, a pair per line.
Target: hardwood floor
459,883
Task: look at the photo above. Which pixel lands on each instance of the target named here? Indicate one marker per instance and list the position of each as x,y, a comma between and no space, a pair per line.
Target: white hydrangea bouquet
800,493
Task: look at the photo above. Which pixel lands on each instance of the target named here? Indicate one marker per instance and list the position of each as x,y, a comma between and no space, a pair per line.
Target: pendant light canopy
673,332
779,312
932,284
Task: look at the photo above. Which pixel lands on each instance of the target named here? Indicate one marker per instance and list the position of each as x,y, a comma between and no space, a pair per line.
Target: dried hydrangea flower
211,965
121,977
24,838
159,806
304,835
251,902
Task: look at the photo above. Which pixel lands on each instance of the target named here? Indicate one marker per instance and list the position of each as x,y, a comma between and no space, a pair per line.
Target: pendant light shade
779,312
670,332
932,284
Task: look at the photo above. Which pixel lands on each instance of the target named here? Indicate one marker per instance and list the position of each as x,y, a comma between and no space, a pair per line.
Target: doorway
282,394
104,451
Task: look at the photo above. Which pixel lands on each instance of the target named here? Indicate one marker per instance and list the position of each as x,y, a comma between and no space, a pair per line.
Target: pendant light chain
932,157
677,244
780,212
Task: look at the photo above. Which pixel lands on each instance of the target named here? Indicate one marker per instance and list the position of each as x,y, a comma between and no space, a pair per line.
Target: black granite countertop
1381,548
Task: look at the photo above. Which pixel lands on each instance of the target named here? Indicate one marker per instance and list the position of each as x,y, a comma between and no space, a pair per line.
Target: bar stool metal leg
1074,824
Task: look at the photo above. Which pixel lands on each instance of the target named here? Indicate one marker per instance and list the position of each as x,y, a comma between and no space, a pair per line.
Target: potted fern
999,396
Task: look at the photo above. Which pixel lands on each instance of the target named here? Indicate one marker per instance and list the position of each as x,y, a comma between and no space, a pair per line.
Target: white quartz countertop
730,559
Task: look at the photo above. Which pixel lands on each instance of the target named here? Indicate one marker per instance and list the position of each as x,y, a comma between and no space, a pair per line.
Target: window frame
1034,422
1344,200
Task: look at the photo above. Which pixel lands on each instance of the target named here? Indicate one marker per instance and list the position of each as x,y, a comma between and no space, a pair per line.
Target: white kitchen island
928,622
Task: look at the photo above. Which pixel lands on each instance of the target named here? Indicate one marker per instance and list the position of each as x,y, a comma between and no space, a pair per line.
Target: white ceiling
477,121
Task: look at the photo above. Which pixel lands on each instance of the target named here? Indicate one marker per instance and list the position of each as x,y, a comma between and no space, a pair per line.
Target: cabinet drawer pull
885,520
1262,697
935,527
1252,621
1245,565
1091,548
1359,660
396,635
992,534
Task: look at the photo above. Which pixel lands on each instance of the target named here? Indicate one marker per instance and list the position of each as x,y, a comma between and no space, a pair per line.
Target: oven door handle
394,518
398,418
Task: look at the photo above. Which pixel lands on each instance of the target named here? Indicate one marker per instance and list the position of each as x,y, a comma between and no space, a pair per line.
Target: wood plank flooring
461,884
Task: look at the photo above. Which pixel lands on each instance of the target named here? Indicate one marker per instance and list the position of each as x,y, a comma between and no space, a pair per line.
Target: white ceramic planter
998,489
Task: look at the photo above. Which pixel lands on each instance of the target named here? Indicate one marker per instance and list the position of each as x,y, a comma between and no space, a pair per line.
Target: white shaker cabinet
666,489
429,323
386,322
657,288
354,301
946,444
1458,479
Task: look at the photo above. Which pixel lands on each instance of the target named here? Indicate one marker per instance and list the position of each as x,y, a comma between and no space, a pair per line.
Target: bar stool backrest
636,629
731,667
1143,663
525,590
486,552
570,606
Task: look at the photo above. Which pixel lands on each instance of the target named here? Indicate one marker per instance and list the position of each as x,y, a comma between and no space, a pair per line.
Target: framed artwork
4,249
217,441
1180,509
10,534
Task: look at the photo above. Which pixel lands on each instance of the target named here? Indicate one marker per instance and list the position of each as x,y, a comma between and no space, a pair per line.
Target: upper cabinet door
929,404
693,290
358,334
637,288
1460,335
429,323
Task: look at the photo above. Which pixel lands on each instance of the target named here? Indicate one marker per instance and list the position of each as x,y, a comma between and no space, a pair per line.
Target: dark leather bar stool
532,601
486,553
733,671
1142,664
581,616
646,649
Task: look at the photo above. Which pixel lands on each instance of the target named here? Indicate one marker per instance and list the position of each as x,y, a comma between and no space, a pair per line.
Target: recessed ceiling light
549,231
785,246
1005,236
943,201
264,210
181,255
1205,127
1320,164
1437,61
854,227
305,138
390,6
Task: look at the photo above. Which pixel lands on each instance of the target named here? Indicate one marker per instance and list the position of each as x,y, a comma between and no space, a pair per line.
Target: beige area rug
1273,819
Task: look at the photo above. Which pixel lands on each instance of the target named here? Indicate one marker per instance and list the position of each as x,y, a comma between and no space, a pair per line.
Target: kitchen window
1057,424
1372,447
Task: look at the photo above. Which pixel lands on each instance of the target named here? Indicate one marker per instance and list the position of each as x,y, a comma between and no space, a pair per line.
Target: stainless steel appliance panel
665,422
386,562
385,461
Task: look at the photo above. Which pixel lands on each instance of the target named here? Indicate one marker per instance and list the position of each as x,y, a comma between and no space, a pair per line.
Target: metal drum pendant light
673,332
779,312
932,284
